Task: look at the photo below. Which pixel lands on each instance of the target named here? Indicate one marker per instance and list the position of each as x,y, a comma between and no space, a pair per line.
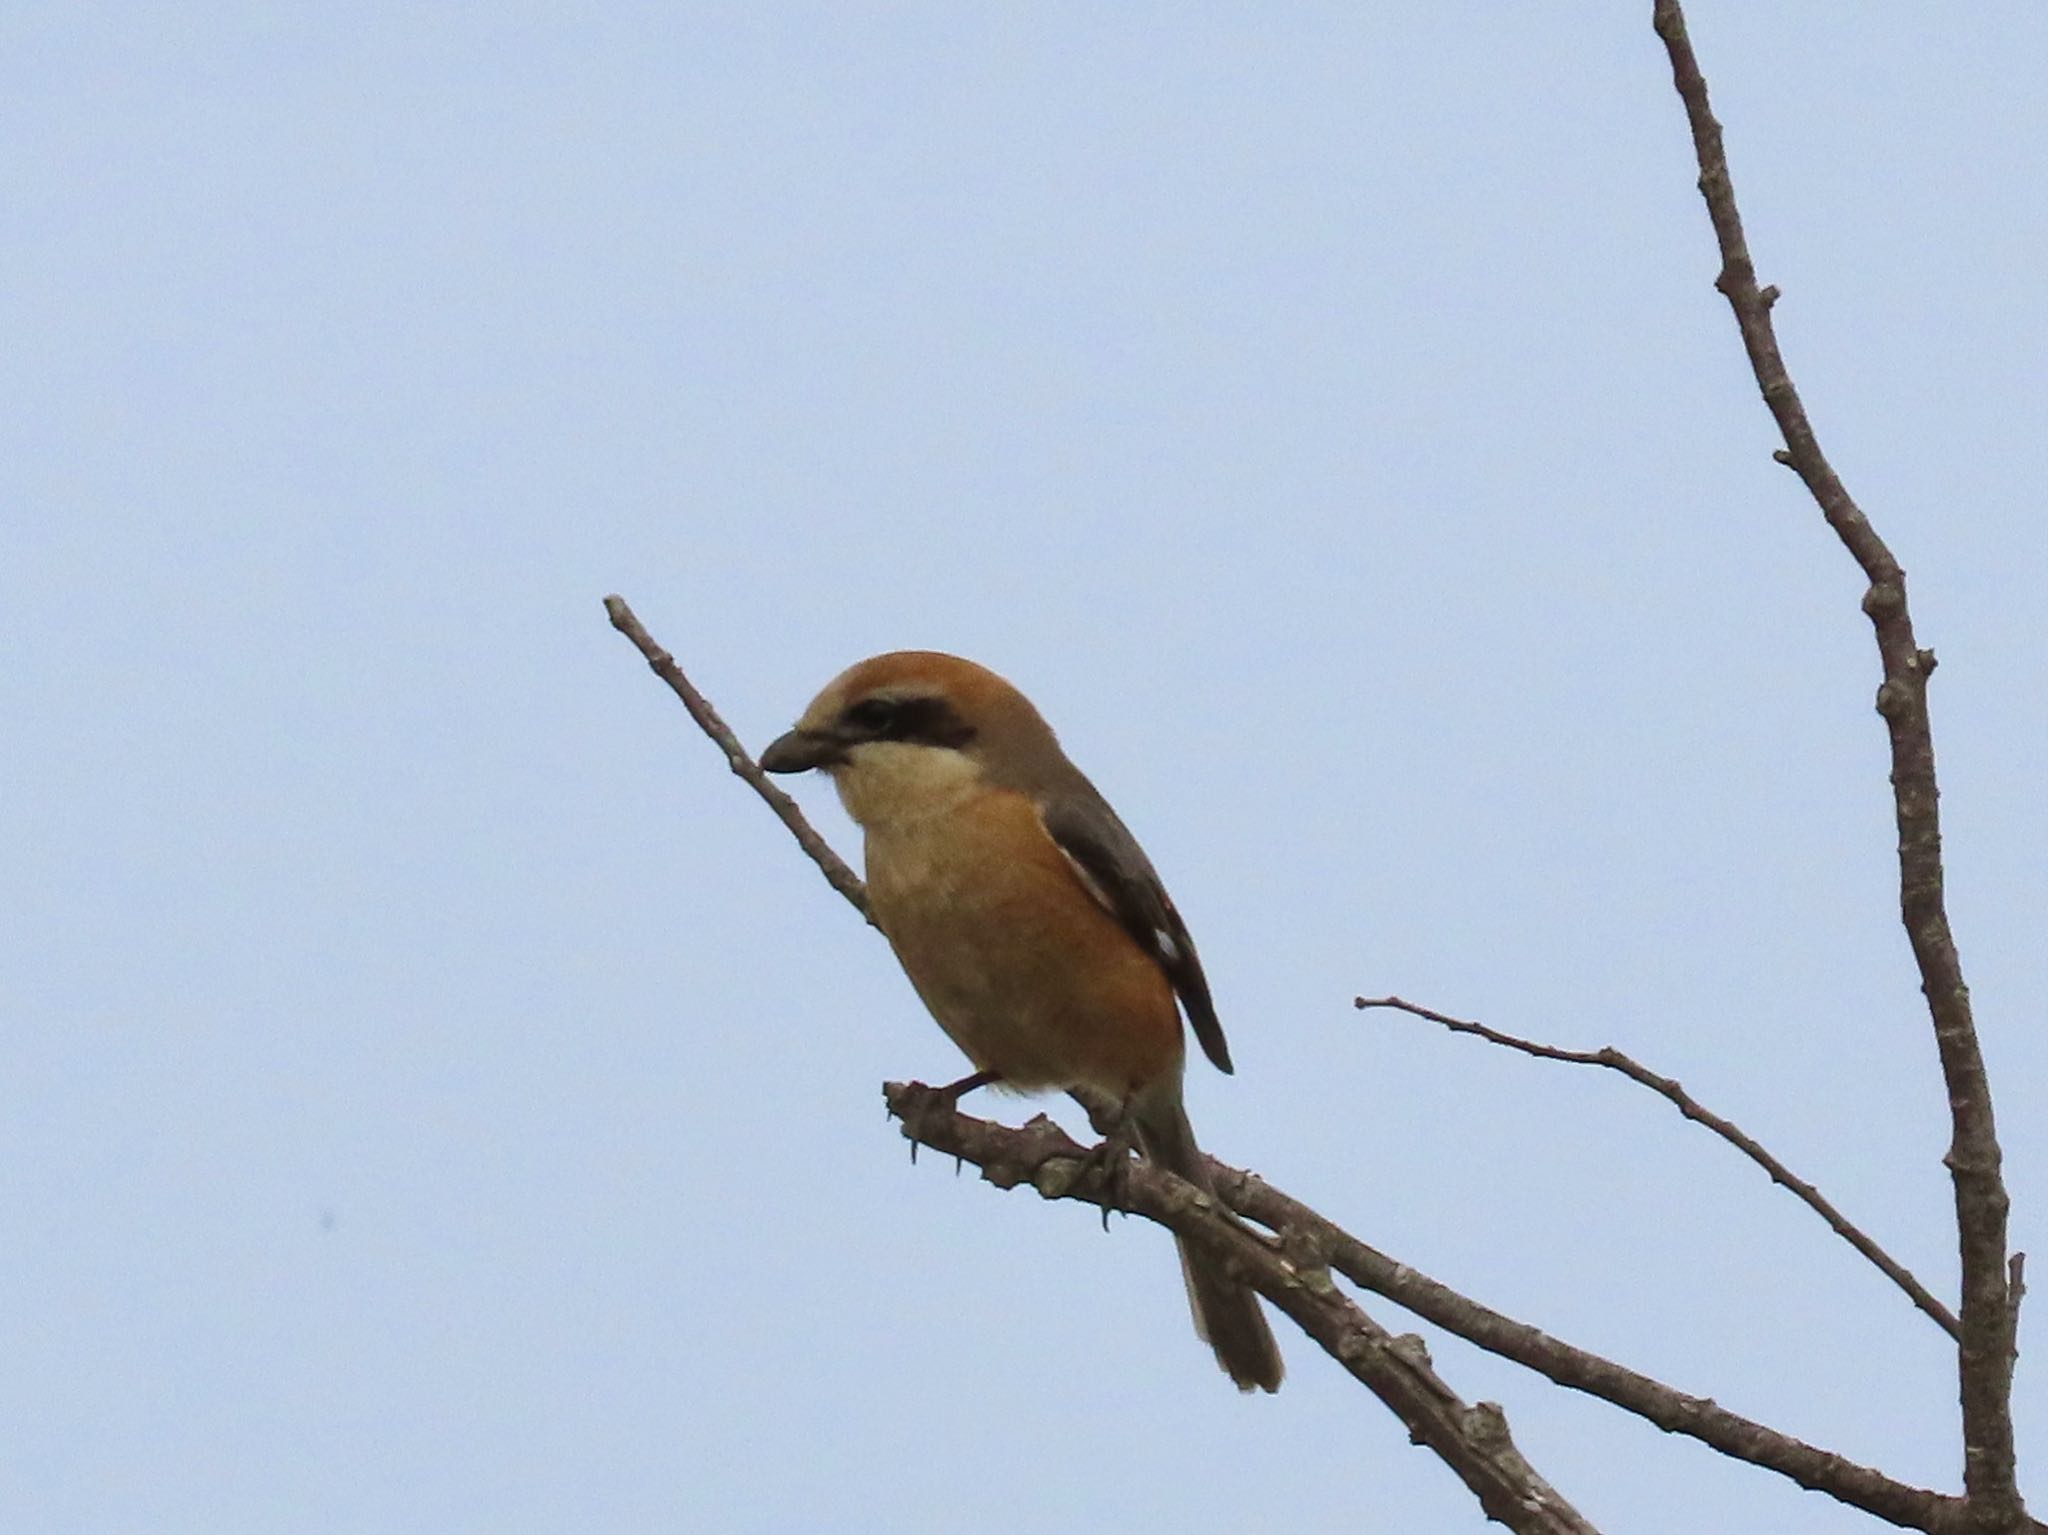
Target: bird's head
908,734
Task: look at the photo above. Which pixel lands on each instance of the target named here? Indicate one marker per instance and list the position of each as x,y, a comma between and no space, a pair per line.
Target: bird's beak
801,750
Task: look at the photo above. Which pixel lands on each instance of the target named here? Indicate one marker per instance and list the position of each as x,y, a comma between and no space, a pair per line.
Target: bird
1028,919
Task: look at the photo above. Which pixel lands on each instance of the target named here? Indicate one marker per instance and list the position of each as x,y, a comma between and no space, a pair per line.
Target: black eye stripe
920,720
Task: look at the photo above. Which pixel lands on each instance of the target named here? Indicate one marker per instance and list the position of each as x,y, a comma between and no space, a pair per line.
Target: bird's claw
1110,1160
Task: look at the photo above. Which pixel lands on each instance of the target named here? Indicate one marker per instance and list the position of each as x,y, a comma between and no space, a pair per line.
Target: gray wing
1120,876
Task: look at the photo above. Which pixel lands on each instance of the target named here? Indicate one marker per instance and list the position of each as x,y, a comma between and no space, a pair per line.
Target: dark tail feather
1227,1314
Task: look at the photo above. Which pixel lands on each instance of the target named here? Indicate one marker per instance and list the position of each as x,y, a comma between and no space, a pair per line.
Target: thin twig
1985,1354
1692,1109
1472,1440
834,868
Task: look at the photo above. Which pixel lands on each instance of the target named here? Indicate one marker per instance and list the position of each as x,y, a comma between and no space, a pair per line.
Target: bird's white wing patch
1088,881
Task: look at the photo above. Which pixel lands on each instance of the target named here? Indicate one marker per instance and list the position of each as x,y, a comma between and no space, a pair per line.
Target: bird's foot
1110,1160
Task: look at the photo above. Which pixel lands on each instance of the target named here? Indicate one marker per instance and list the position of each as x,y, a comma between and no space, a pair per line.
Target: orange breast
1019,964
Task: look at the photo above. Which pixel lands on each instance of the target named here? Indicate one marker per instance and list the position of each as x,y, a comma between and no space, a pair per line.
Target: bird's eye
873,714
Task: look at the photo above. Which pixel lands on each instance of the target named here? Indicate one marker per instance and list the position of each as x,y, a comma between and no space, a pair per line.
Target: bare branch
1985,1354
1692,1109
834,868
1472,1440
1007,1156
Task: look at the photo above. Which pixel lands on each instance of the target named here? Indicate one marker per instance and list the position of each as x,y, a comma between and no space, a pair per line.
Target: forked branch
1292,1272
1668,1088
1304,1231
1988,1339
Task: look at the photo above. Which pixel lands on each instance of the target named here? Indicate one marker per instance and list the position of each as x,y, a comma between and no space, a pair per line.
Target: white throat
885,784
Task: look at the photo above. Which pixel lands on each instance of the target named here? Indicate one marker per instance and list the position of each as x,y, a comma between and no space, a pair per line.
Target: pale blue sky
439,1100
